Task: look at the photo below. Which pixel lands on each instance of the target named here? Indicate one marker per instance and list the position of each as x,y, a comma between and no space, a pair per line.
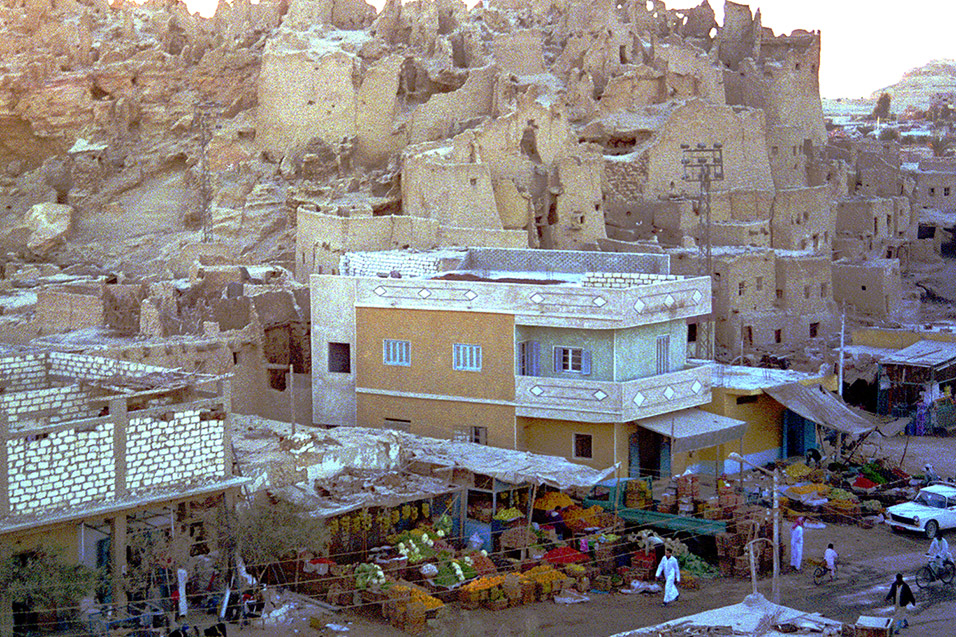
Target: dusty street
869,559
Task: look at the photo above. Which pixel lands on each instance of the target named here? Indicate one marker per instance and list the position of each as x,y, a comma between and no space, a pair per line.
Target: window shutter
534,367
585,362
558,355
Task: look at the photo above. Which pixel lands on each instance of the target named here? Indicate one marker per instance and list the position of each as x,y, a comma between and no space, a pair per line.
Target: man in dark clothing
902,596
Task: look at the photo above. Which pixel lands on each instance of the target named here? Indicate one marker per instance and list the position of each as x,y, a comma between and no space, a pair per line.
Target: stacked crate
638,495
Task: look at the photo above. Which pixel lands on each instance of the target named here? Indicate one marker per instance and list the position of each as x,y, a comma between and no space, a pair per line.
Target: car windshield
931,500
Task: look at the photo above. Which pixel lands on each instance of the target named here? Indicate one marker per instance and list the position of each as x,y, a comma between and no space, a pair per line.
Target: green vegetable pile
696,565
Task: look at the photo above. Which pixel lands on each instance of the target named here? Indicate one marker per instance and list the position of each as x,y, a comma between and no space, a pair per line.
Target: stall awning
928,354
822,407
693,429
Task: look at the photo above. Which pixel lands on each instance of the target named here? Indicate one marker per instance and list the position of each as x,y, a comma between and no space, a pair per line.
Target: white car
933,510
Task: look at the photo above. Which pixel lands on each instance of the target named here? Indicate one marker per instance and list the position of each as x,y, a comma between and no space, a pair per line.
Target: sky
866,44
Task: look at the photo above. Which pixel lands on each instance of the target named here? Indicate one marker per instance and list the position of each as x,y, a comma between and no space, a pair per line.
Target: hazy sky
867,44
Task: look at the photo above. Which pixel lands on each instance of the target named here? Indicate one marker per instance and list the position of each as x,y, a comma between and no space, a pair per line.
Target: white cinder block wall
51,465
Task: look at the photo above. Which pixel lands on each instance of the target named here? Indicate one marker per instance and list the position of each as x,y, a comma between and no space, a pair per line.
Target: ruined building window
397,424
824,289
932,192
740,288
759,283
775,151
583,446
806,291
778,336
466,358
396,352
779,294
814,329
572,359
664,354
946,191
340,358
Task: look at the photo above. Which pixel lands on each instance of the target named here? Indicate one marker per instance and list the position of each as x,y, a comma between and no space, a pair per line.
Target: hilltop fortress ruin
145,141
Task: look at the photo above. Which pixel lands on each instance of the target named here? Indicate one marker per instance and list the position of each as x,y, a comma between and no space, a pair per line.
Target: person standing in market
670,571
902,596
796,544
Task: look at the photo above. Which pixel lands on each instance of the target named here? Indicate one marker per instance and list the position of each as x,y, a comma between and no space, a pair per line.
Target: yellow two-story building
574,354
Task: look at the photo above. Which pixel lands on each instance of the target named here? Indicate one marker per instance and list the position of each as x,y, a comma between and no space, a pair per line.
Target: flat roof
924,354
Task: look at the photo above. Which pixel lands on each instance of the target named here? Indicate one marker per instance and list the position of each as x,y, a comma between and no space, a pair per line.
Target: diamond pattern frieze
424,293
640,305
380,291
599,301
537,298
600,395
669,392
697,296
696,387
471,295
640,399
537,391
670,301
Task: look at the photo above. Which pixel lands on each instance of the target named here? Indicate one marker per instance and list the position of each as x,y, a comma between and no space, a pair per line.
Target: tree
269,534
882,109
889,135
43,580
940,144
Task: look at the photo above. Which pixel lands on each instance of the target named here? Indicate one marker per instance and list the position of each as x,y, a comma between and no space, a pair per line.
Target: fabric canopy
822,407
929,354
693,429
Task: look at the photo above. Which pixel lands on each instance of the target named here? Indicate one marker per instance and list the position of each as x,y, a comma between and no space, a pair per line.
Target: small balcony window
583,446
572,359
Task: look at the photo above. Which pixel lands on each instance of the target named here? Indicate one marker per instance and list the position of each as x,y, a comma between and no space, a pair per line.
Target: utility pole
704,164
203,112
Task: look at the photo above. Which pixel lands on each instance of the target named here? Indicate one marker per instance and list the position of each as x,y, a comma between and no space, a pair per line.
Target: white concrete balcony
585,400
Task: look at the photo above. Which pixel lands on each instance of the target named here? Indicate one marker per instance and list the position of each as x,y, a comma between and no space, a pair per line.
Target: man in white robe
796,544
670,571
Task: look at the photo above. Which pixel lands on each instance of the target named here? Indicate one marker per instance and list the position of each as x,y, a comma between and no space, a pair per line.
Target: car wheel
932,529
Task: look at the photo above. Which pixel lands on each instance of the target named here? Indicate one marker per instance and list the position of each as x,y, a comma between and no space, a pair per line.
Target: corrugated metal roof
924,354
693,429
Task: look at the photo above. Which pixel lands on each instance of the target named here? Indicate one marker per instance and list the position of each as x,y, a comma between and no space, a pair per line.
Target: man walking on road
670,570
902,596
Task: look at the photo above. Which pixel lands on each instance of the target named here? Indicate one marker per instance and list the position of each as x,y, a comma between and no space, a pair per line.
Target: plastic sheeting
822,407
693,429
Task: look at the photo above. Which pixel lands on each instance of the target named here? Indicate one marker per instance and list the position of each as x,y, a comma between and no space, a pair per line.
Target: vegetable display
370,576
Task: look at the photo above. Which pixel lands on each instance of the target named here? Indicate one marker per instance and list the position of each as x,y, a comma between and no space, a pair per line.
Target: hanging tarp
693,429
822,407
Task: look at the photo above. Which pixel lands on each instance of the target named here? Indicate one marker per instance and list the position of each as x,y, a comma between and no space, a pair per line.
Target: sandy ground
869,559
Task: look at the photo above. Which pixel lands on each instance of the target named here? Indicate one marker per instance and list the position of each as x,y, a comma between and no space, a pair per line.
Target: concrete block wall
410,265
624,279
63,468
82,367
66,403
23,372
183,448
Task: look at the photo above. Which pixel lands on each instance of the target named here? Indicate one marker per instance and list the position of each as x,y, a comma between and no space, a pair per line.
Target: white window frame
564,360
574,446
396,352
466,357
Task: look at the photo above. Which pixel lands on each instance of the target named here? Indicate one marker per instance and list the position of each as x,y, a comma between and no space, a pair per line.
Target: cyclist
830,557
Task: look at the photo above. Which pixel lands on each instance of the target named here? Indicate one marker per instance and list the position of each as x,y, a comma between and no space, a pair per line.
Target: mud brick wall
182,448
80,367
623,279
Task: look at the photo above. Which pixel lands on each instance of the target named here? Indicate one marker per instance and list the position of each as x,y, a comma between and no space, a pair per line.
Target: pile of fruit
506,515
484,583
543,574
553,500
409,594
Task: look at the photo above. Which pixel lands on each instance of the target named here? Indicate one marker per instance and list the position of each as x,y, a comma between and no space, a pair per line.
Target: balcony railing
600,401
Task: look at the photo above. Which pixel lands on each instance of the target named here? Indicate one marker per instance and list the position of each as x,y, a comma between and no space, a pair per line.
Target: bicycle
821,574
928,574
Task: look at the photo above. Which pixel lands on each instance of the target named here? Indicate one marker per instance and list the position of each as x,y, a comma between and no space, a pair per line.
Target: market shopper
670,571
796,544
902,596
830,557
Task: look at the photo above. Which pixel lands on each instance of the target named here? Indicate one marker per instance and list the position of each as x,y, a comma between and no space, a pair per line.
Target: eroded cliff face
508,123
